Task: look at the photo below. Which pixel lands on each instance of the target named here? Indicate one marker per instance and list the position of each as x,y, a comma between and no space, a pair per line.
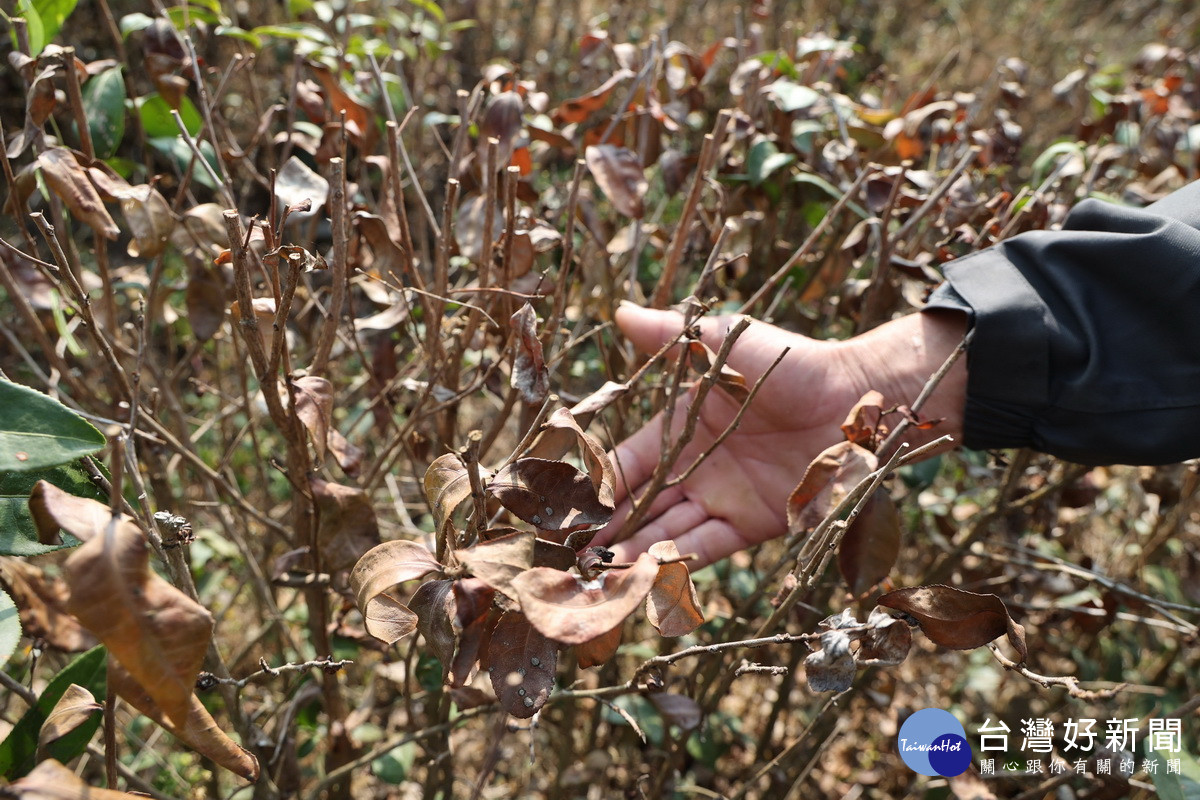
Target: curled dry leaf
863,423
155,631
829,478
552,495
72,710
520,662
149,218
572,611
346,527
381,568
314,409
348,456
529,374
554,555
677,709
297,182
729,379
447,485
497,562
672,605
871,544
886,642
559,434
618,173
198,730
830,669
580,108
435,607
263,309
50,780
67,178
957,619
597,401
502,121
42,601
600,650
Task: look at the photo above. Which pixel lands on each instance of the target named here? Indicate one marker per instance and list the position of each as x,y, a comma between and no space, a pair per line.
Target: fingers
650,329
710,540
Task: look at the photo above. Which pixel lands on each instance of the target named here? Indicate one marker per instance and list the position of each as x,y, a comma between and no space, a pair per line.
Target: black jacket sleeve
1086,340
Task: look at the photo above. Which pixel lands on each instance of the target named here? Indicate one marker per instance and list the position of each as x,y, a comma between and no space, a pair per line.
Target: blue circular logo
932,742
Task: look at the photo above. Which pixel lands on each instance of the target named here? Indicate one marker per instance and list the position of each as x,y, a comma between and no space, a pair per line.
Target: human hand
738,496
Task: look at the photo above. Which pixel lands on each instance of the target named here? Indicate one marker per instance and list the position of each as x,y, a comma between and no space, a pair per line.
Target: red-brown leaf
871,544
314,409
559,435
552,495
572,611
378,570
862,425
600,650
68,179
447,485
529,374
580,108
50,780
827,481
618,173
520,662
672,605
957,619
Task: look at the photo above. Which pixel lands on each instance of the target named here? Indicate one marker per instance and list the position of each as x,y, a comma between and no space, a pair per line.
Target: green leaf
157,121
37,431
18,536
393,768
1181,785
430,8
790,96
49,15
104,103
295,31
1049,159
828,188
177,150
19,750
33,27
10,627
234,32
137,21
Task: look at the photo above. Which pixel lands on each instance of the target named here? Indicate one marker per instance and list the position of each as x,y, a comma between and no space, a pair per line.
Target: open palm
738,496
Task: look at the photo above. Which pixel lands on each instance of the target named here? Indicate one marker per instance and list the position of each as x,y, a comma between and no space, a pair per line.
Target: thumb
649,329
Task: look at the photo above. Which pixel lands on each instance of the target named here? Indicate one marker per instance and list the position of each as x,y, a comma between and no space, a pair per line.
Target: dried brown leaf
560,433
53,510
198,730
672,606
886,642
42,601
677,709
520,662
862,425
378,570
529,374
830,669
871,544
50,780
434,605
600,650
205,300
149,218
501,120
829,478
447,486
469,228
552,495
296,182
580,108
958,619
346,526
597,401
618,173
572,611
348,456
500,560
67,178
314,408
728,378
552,554
75,707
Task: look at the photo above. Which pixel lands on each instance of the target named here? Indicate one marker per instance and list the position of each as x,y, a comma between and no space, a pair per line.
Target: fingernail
627,304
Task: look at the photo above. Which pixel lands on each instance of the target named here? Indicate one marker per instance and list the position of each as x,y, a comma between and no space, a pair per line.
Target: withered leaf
572,611
348,456
600,650
618,173
314,409
75,707
871,544
886,642
728,378
862,425
552,495
447,485
501,120
672,605
529,374
346,526
470,225
42,601
677,709
149,218
830,669
155,631
552,554
473,640
597,401
357,114
958,619
263,309
50,780
378,570
580,108
497,562
205,300
829,478
67,178
297,182
560,433
434,605
520,662
198,730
